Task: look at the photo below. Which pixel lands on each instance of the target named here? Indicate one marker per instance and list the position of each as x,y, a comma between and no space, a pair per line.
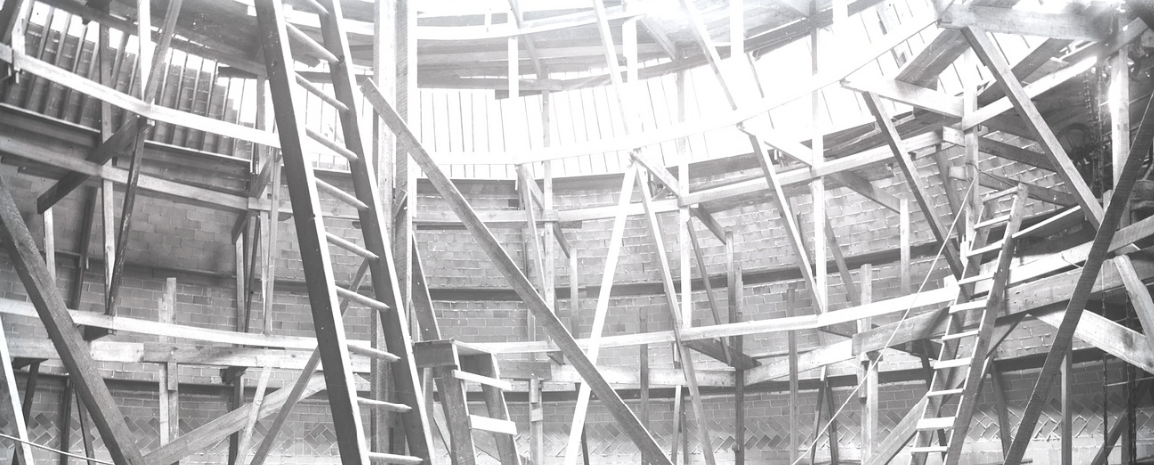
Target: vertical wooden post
49,243
108,211
64,430
998,387
1067,427
868,395
794,408
169,383
23,450
734,283
904,240
1119,105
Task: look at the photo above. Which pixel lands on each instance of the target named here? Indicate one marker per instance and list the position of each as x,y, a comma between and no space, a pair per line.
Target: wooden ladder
333,50
453,365
961,363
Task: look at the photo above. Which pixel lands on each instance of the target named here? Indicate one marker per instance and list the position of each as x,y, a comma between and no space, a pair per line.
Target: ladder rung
374,353
309,86
951,363
493,425
313,6
351,247
935,423
485,380
928,449
950,337
335,147
341,195
988,248
380,404
315,47
992,221
394,458
366,301
975,278
999,194
945,392
967,306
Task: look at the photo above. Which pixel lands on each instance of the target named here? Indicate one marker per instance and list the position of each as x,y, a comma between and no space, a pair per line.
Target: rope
58,451
873,366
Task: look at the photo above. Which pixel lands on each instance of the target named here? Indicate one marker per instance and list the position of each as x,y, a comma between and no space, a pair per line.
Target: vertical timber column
734,285
1067,426
169,383
383,156
794,411
868,395
1119,104
817,187
405,171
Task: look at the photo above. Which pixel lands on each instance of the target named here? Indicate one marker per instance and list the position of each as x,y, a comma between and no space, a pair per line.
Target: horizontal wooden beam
115,144
210,433
860,57
1070,26
127,102
909,94
29,148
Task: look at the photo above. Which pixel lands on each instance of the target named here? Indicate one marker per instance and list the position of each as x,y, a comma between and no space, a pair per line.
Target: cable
874,364
58,451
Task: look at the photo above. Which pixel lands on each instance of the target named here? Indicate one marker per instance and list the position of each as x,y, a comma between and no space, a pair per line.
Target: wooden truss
781,164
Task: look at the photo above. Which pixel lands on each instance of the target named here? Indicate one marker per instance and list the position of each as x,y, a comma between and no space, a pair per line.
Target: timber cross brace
525,232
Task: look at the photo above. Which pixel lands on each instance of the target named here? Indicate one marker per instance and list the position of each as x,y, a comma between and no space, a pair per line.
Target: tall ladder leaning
276,35
961,364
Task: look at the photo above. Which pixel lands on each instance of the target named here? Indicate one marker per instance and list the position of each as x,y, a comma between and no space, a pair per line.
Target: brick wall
193,244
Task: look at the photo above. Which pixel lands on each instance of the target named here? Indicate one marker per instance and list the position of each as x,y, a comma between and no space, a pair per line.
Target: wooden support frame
687,365
549,321
1107,227
13,407
915,181
62,330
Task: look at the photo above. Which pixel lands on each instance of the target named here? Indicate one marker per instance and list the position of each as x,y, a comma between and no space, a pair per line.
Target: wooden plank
749,110
1107,225
30,149
867,189
794,403
1069,26
735,296
250,423
986,51
713,305
793,233
909,94
125,227
135,105
498,409
602,307
299,388
127,134
168,382
915,181
62,330
1035,89
687,364
22,450
212,432
549,321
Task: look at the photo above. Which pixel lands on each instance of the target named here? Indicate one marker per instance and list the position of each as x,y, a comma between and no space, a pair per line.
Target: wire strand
58,451
873,366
